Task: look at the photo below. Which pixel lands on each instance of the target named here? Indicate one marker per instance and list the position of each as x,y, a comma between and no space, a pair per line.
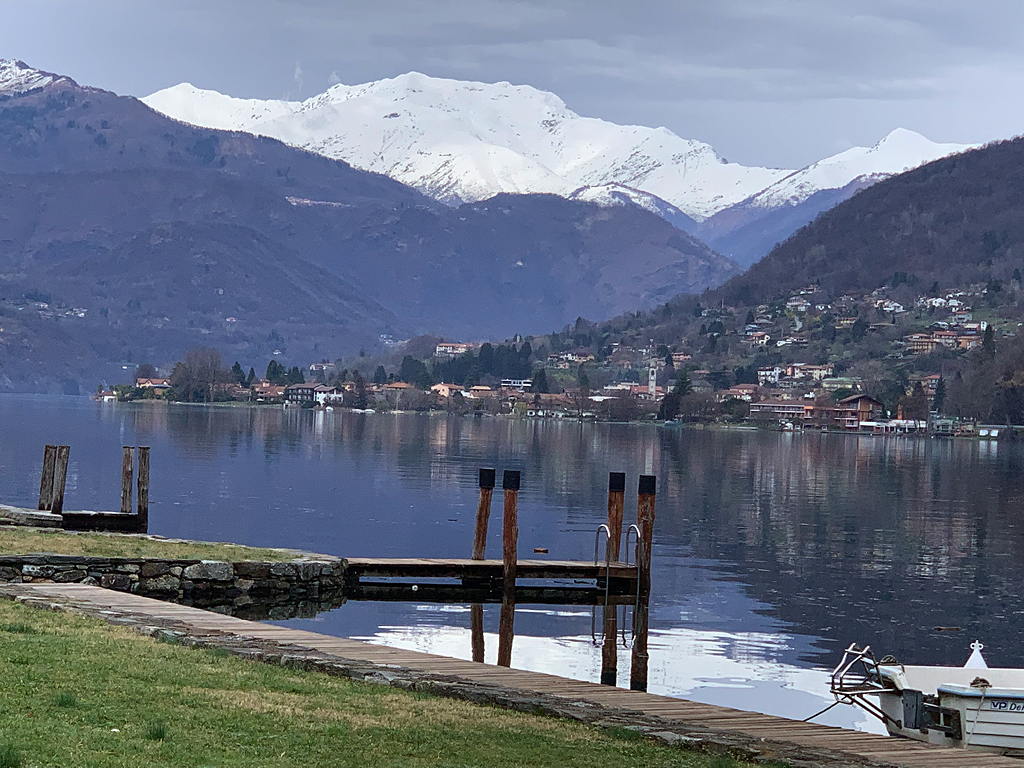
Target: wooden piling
60,476
483,513
142,491
510,527
645,522
506,628
639,658
476,623
610,624
46,477
616,502
127,458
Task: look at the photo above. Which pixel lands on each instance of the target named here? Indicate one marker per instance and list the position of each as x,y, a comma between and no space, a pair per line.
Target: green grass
139,702
19,540
9,757
65,699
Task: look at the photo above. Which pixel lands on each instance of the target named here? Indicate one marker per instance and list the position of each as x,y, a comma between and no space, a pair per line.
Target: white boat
972,707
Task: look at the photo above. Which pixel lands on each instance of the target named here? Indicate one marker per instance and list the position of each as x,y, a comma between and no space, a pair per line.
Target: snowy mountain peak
900,150
17,77
464,141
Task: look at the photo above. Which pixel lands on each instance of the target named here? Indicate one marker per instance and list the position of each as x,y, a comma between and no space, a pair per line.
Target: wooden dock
360,568
799,743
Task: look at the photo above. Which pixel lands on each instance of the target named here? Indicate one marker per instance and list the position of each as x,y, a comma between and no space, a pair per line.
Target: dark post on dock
483,513
645,522
616,503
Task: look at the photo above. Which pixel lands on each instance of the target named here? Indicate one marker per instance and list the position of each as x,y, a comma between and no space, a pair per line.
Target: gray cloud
777,82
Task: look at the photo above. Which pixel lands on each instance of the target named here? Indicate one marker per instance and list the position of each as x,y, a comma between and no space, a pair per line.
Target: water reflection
772,550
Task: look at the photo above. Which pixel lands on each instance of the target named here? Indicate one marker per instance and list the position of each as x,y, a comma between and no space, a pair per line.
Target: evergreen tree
380,376
683,385
237,374
415,372
251,378
939,399
276,373
540,381
584,381
359,399
988,342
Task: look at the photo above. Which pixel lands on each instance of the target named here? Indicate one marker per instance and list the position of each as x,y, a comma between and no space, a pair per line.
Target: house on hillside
158,384
300,393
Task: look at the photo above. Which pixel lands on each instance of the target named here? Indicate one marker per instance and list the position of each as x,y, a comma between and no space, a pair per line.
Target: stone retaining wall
275,590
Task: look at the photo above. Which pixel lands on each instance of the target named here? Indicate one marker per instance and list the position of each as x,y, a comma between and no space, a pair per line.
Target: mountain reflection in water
772,550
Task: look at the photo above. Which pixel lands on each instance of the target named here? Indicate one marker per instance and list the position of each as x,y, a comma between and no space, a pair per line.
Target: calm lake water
772,550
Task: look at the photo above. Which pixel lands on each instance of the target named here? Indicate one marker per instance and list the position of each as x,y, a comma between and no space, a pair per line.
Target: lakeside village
620,381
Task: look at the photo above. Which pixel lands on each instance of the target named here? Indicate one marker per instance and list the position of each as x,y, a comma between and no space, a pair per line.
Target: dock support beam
645,522
483,513
616,503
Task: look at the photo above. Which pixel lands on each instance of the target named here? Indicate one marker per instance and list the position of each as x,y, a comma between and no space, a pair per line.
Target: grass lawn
16,540
75,691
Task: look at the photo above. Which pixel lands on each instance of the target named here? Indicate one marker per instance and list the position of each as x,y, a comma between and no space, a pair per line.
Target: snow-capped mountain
901,150
465,141
747,230
619,194
17,77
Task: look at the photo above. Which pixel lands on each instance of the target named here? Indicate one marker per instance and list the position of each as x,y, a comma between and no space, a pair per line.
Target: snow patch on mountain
17,77
899,151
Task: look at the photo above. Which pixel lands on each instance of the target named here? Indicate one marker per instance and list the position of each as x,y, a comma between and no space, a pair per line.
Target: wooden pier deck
799,743
459,568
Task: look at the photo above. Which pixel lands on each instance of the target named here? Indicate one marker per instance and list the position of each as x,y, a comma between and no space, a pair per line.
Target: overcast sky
769,82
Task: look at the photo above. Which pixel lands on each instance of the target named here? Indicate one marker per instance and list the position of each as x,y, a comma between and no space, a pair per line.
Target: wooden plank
485,569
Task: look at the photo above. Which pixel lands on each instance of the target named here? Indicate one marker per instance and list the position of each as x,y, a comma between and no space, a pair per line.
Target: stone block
153,569
252,570
130,568
209,570
307,571
37,571
161,584
119,581
10,574
244,585
69,575
285,570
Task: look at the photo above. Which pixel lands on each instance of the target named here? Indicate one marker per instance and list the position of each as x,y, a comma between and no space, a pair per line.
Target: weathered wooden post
506,628
476,624
645,522
46,477
616,502
510,527
60,476
142,491
127,458
483,513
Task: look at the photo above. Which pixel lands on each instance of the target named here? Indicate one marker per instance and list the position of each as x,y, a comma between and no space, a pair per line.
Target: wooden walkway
847,747
457,568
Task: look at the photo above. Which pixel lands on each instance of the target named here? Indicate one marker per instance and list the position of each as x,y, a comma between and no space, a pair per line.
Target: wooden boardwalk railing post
645,522
127,457
609,649
142,492
483,513
60,476
510,526
46,477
